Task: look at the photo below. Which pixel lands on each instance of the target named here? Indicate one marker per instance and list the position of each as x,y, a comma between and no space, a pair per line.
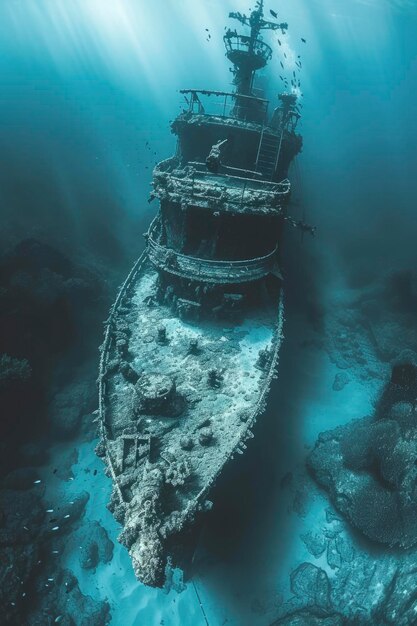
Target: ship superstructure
192,341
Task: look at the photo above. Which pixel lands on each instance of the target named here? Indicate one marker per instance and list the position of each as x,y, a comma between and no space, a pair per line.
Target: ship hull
164,463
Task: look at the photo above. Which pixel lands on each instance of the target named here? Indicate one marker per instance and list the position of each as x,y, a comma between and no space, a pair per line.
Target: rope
200,603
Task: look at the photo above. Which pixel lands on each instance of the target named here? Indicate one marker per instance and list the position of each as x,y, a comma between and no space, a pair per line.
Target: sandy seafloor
243,583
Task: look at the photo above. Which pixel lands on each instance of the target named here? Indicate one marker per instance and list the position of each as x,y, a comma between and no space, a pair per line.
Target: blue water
85,84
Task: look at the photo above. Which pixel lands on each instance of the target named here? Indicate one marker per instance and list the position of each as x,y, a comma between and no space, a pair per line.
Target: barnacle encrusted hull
175,406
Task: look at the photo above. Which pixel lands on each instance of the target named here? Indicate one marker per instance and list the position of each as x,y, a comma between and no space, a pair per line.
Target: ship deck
225,412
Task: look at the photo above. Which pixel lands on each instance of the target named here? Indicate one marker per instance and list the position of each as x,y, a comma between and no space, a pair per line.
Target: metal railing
238,194
241,43
225,104
206,270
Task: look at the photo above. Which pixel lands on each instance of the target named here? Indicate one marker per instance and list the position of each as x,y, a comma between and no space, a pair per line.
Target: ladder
266,160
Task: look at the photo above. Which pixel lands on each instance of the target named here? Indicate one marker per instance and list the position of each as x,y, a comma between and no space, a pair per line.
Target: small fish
36,482
55,551
273,13
285,56
294,74
25,527
281,77
279,41
95,473
66,516
54,519
303,40
207,29
282,65
55,528
55,471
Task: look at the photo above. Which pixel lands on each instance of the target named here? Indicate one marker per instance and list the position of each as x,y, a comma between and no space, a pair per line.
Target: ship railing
206,270
241,43
226,104
240,194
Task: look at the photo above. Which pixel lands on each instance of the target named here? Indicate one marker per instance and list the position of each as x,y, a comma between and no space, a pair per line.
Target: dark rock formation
315,543
340,381
311,583
312,602
96,547
46,304
22,516
21,478
369,470
307,618
28,534
48,329
68,406
398,605
369,466
60,598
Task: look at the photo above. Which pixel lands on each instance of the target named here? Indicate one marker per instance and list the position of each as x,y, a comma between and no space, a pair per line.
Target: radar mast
249,53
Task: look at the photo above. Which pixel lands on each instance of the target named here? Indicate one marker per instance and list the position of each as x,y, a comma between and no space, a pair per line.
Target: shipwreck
192,341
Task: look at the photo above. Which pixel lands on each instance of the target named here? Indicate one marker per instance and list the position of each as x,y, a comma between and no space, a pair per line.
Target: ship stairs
267,157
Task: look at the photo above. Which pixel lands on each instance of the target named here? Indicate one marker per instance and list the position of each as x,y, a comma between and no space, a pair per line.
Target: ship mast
249,53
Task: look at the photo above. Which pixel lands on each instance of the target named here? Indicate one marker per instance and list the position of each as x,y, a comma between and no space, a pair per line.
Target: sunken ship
192,341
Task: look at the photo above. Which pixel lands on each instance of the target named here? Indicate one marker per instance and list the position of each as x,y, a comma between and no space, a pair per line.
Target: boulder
370,472
96,547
